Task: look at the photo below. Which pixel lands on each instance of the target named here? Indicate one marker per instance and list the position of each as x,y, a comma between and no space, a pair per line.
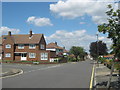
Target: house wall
14,49
8,50
59,51
52,54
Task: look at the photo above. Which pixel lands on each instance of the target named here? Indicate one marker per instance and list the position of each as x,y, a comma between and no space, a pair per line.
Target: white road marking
21,72
43,68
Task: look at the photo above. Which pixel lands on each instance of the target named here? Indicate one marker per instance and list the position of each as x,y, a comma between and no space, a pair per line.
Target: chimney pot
56,43
9,33
30,33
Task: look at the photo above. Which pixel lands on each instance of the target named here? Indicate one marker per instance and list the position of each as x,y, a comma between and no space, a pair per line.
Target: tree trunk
76,58
119,76
111,73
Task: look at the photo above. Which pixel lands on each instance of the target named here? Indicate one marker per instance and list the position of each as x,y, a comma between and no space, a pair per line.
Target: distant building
30,47
0,48
54,47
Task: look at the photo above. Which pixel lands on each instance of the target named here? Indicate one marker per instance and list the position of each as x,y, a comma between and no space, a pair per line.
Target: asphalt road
70,75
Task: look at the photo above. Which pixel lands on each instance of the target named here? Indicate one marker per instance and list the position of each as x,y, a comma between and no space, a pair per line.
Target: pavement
101,77
7,72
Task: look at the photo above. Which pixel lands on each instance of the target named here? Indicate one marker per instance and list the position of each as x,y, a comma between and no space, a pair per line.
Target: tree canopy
77,51
112,28
101,47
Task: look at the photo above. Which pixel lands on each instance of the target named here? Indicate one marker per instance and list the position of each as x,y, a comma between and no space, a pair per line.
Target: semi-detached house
30,47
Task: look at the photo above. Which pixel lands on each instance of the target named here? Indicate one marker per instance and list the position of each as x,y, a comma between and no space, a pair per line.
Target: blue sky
15,16
65,22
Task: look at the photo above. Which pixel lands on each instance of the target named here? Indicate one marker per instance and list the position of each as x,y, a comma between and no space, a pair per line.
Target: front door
23,56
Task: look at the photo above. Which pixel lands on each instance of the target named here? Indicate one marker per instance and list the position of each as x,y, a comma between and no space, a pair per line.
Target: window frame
42,46
19,46
44,56
33,56
32,47
7,55
8,46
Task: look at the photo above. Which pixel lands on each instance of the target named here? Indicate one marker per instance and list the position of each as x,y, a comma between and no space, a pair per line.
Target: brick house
30,47
0,48
54,47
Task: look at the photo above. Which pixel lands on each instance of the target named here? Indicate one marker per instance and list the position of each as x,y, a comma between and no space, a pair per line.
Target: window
32,46
20,46
5,38
32,55
42,46
8,46
44,56
7,55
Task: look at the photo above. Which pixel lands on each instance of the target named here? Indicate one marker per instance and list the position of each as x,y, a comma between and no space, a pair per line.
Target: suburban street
68,75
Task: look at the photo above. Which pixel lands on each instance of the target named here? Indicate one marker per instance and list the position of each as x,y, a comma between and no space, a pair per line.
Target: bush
117,65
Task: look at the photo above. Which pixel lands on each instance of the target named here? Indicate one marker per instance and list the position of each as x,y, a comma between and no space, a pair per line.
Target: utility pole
97,48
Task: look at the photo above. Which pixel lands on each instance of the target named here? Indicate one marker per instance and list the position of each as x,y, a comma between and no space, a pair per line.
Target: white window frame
7,46
32,46
32,55
44,56
42,46
7,54
20,46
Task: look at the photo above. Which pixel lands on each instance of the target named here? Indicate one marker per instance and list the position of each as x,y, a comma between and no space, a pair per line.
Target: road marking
21,72
91,81
49,67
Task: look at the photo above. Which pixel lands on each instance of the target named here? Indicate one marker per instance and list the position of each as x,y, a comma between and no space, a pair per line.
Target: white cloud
75,38
82,22
39,21
77,8
4,30
68,39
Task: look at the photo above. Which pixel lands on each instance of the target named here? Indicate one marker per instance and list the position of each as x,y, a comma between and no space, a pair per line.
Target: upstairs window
20,46
8,46
32,46
42,46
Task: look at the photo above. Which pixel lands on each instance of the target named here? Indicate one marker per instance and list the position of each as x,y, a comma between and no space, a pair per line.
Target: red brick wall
8,50
14,48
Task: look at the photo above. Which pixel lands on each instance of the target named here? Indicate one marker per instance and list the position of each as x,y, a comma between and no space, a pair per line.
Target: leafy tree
102,49
113,30
77,51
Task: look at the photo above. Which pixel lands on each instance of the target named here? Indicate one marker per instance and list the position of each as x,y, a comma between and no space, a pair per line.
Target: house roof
65,51
25,39
53,45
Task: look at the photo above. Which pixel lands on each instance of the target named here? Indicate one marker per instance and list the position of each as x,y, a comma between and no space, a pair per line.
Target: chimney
30,35
56,43
9,33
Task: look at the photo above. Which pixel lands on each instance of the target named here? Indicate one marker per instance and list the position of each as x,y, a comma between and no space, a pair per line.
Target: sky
69,23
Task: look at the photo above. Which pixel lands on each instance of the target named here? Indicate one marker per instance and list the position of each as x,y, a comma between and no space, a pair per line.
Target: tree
102,49
77,51
113,30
